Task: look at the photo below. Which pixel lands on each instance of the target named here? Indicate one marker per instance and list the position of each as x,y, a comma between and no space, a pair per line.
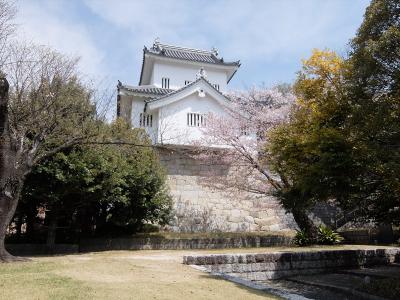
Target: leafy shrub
302,238
327,236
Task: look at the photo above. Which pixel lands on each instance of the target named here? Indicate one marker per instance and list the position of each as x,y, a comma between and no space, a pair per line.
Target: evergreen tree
92,189
343,139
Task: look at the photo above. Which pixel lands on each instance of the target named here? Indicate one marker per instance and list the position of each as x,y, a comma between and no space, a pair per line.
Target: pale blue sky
270,37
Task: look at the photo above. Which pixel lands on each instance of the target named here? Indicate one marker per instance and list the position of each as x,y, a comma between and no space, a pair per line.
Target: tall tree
9,185
342,142
46,109
311,150
374,122
7,157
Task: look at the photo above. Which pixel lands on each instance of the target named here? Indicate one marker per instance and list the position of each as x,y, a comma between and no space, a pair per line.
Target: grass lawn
115,275
148,274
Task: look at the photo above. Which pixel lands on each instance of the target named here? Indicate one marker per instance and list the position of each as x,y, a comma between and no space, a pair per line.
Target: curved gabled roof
187,54
184,88
185,91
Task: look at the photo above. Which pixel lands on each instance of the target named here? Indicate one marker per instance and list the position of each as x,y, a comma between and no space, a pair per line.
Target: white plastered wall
173,127
179,73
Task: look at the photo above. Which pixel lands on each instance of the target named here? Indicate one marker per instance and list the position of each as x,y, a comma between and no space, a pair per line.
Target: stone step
304,290
389,271
348,284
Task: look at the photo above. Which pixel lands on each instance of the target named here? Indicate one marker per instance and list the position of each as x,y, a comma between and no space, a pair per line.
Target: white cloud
45,23
247,29
268,36
174,21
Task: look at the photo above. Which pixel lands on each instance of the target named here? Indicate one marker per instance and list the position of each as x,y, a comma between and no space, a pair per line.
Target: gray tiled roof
189,54
146,89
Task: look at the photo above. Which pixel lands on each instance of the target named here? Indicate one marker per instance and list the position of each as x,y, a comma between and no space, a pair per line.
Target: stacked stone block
275,265
199,207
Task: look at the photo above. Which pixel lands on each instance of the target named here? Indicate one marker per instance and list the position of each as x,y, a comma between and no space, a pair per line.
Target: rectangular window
146,120
165,83
196,120
187,82
216,86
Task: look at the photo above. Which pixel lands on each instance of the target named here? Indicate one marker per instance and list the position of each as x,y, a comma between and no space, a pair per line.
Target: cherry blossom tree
238,143
7,28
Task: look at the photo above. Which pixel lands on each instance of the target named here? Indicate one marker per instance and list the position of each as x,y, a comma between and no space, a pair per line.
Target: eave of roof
149,90
141,72
191,56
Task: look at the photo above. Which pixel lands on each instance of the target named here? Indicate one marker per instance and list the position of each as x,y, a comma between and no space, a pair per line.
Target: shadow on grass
249,290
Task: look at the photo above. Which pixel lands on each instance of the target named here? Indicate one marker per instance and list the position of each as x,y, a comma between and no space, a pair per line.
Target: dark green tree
343,140
310,153
374,123
92,188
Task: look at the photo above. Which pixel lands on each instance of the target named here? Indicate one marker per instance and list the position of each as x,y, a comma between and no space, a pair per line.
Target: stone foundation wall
154,243
41,249
198,207
275,265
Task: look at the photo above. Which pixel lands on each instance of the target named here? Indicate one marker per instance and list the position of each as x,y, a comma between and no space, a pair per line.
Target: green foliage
342,140
96,188
375,50
302,238
327,236
310,153
374,124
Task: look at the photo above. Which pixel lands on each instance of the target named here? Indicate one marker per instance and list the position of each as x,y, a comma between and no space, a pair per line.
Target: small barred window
196,120
146,120
165,83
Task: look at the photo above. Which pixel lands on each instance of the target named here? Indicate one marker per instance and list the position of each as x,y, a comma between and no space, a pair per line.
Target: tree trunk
101,218
52,229
86,222
10,180
31,213
8,206
305,223
19,222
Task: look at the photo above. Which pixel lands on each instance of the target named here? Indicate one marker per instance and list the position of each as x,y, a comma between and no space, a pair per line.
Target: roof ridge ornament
214,51
156,44
201,74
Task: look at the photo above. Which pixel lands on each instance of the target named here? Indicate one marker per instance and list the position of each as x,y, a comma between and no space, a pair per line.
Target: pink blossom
239,139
